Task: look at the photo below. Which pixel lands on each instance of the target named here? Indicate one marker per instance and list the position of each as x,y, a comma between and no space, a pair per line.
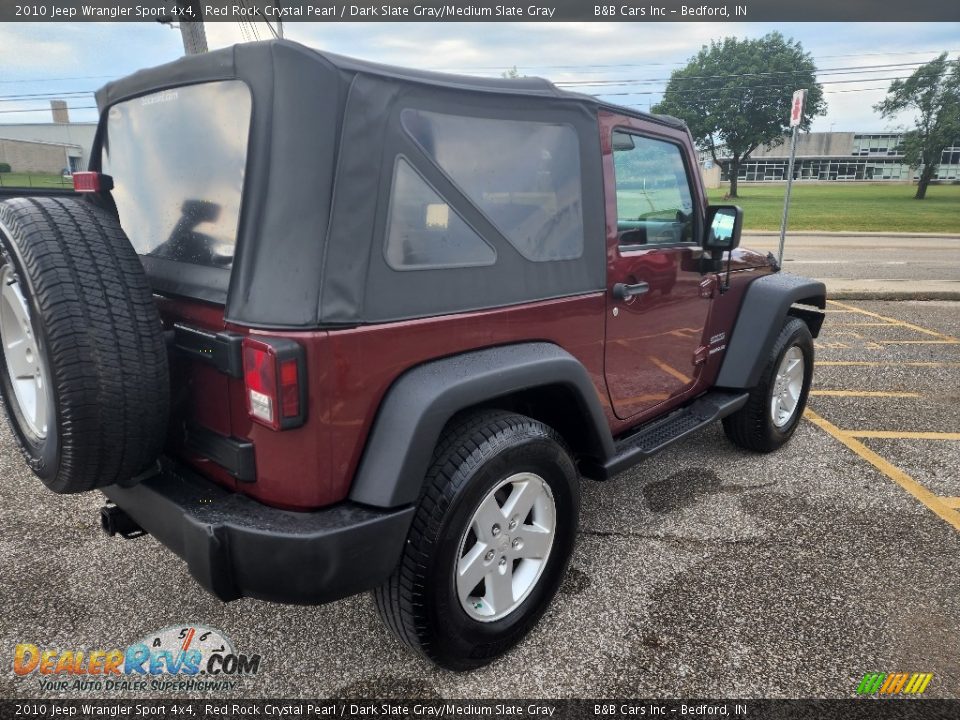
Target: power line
720,90
45,109
684,62
851,70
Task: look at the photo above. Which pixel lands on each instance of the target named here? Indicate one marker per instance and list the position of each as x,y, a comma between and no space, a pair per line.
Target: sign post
796,114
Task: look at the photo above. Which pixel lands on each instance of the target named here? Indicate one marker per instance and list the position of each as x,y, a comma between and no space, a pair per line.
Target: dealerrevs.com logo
179,658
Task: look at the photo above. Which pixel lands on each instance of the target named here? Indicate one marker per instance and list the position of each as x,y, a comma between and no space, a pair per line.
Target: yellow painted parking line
902,323
934,502
864,394
884,363
918,342
902,435
670,370
863,324
953,502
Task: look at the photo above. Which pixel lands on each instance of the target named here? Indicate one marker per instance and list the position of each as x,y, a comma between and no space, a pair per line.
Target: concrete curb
893,294
824,233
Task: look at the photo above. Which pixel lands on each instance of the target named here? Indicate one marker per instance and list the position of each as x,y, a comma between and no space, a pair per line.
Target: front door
657,299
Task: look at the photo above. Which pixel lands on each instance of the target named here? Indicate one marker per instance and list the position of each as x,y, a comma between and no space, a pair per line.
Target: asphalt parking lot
706,571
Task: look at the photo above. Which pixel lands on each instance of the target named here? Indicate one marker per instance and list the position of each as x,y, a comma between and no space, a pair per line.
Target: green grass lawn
868,208
33,180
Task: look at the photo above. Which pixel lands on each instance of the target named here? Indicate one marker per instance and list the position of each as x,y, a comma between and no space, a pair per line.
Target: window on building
524,176
654,200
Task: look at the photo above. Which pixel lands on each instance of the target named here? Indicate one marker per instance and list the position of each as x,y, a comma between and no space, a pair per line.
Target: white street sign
796,108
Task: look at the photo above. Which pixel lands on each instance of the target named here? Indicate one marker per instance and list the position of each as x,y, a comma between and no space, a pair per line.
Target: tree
934,92
736,93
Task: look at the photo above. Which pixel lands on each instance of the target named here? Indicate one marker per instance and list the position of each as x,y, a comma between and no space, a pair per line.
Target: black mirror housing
724,224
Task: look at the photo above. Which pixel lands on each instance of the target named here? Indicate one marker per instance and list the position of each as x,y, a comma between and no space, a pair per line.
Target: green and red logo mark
894,683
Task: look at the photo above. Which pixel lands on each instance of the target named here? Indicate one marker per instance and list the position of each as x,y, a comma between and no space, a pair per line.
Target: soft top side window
424,232
654,199
524,176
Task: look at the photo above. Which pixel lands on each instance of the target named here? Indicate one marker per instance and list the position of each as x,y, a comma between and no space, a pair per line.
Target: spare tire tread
103,338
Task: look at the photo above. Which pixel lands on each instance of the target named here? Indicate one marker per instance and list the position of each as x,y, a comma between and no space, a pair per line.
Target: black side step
656,435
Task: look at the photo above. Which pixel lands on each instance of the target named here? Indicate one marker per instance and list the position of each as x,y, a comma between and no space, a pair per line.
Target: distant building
829,156
33,157
47,147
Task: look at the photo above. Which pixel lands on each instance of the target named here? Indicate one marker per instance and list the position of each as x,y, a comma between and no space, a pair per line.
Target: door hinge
700,355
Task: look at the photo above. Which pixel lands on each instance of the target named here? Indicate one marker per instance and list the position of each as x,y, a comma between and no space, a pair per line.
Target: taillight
92,182
274,373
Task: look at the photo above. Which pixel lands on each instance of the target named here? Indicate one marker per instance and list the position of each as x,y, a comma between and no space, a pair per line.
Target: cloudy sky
38,61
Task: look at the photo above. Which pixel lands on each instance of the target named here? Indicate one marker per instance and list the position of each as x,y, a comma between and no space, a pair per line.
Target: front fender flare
420,402
766,304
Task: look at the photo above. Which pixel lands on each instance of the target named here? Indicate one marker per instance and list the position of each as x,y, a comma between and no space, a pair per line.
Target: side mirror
724,223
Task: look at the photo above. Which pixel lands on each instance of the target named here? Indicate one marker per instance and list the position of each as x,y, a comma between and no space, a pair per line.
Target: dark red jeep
322,326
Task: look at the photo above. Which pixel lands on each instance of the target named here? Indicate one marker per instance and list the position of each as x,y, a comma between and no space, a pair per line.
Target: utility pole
276,4
194,36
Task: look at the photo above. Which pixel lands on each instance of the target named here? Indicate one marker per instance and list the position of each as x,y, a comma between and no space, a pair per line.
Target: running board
656,435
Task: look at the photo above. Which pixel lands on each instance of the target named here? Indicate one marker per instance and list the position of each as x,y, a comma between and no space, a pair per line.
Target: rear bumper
236,547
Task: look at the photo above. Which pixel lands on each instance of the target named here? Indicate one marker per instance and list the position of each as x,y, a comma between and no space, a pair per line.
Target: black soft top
324,132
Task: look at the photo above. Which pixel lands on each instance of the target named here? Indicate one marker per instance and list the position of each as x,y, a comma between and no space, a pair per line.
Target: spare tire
83,368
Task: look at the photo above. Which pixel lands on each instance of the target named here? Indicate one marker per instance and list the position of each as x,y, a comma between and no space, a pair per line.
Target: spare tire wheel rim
787,386
22,352
506,546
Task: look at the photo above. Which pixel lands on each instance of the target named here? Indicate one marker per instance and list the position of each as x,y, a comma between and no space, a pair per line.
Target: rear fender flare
419,404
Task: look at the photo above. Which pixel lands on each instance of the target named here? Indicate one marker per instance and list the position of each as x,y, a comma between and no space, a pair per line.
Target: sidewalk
850,233
844,289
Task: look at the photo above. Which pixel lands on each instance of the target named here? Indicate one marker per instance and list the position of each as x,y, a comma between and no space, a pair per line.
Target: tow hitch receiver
115,521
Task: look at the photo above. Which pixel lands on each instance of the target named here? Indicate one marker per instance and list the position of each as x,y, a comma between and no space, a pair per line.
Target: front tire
489,543
776,404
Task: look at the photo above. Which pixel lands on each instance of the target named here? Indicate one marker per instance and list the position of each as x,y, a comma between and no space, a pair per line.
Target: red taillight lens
289,389
91,182
273,375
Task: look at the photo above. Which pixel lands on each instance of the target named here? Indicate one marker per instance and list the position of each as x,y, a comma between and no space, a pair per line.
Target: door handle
622,291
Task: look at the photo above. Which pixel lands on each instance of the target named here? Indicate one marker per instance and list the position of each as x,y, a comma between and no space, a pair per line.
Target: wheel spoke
41,410
488,515
522,498
500,588
795,372
471,570
536,542
16,354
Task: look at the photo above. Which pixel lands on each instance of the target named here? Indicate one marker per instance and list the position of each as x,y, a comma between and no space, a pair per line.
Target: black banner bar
856,709
485,11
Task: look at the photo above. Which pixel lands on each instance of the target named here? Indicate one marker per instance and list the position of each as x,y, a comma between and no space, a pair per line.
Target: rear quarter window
524,176
177,158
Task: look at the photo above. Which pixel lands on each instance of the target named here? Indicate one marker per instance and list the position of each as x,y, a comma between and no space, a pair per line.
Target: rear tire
764,423
75,294
486,462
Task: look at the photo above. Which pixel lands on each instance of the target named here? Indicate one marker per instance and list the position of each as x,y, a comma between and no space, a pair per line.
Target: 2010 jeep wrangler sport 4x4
322,326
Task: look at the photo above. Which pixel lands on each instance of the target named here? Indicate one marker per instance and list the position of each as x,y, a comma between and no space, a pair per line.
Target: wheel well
810,310
560,408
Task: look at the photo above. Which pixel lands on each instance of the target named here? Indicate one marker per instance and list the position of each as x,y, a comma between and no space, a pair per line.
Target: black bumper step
658,434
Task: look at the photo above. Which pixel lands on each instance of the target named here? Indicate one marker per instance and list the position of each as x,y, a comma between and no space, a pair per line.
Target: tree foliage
738,93
933,90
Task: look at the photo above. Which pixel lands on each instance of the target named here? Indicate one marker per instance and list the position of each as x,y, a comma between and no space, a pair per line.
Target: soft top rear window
177,158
